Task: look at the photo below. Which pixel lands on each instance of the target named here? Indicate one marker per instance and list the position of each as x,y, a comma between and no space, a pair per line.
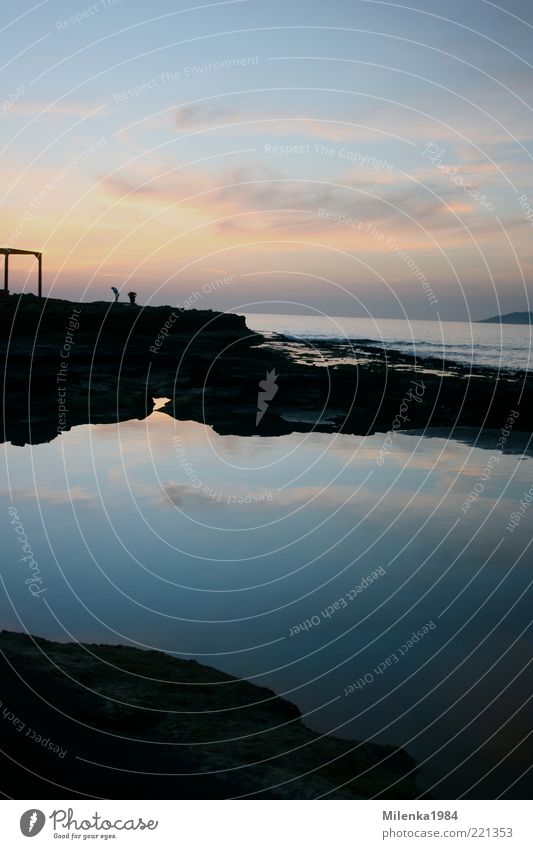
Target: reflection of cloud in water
76,494
225,464
183,495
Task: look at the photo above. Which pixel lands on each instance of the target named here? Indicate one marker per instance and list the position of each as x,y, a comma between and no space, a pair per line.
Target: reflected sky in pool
164,535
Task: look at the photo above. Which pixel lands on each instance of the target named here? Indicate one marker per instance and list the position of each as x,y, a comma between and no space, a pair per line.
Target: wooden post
7,252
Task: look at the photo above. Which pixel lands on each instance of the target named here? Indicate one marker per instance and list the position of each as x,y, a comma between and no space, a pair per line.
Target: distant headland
509,318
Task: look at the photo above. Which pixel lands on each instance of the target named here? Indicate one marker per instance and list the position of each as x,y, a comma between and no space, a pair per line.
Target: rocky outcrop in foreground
66,364
116,722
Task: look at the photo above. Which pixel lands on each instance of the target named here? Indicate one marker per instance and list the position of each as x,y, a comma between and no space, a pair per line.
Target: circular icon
32,822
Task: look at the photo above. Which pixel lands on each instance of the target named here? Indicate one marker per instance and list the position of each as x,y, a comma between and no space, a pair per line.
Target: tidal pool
300,563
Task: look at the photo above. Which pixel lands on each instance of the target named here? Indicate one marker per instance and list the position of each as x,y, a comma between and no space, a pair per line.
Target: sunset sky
333,155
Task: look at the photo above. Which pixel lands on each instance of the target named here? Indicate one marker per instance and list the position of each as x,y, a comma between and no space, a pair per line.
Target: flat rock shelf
124,723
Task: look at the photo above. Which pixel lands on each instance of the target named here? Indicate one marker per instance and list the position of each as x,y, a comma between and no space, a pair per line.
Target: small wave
464,343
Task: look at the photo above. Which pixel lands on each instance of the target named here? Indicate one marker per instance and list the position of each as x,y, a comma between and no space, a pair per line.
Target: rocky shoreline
66,364
116,722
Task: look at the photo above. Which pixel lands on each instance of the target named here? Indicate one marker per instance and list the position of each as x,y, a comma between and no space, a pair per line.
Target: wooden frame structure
6,253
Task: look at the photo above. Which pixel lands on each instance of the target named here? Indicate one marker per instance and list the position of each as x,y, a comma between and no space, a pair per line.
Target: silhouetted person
115,292
132,296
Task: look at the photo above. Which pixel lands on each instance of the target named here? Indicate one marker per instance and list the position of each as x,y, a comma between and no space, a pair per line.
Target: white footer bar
266,824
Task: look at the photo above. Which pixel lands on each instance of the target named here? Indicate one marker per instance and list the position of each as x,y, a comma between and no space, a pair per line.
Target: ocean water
300,563
498,346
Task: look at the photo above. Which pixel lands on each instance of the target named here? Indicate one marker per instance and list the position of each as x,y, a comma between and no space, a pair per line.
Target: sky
350,157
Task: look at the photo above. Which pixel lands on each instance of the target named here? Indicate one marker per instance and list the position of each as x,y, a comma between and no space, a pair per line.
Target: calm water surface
162,534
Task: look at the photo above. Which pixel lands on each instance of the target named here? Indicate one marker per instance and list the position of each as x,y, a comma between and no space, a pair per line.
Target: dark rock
144,725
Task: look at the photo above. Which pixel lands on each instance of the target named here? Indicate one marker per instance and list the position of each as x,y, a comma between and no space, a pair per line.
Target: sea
500,346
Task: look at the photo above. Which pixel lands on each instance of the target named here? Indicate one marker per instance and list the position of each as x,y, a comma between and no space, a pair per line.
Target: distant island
509,318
